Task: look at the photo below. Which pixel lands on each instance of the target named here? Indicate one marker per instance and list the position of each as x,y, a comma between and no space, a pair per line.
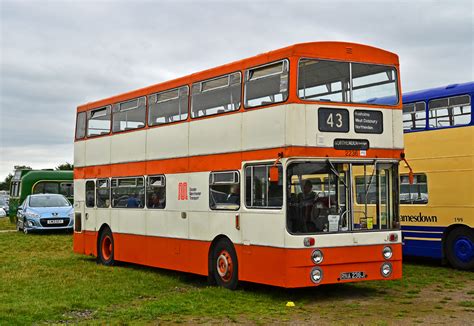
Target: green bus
27,182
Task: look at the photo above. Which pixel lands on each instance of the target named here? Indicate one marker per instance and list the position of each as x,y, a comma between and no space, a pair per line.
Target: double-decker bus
27,182
437,210
245,172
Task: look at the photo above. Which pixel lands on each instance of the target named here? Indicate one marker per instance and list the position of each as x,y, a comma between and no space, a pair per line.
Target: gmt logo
183,191
419,218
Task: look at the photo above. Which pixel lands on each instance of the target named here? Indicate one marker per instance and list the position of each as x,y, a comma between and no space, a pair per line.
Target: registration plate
352,275
55,221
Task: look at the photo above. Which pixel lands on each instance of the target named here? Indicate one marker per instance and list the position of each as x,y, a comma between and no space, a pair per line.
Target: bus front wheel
225,265
105,248
460,248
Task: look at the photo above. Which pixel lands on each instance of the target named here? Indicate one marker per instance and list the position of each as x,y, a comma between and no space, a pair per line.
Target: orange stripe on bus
267,265
217,162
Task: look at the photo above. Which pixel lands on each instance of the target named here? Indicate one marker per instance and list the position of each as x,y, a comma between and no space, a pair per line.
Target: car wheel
460,248
105,249
18,228
225,265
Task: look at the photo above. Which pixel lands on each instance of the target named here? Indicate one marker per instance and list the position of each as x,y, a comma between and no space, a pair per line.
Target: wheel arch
209,254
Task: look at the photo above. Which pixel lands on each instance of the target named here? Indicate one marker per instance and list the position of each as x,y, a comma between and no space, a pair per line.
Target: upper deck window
168,106
81,125
266,84
414,115
334,81
450,111
217,95
98,121
129,115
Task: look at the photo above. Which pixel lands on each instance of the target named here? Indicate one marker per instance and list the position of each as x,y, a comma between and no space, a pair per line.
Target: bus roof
444,91
343,51
34,175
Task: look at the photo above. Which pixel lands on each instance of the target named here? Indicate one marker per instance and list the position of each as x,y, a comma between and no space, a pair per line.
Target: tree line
5,184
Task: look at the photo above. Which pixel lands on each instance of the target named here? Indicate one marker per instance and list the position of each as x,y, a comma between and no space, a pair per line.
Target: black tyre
459,248
105,248
18,228
225,266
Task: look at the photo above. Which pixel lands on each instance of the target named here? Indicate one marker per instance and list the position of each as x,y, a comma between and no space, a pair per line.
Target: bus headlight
317,256
316,275
387,252
386,269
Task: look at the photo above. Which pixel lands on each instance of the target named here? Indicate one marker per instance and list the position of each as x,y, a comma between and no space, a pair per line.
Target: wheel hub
224,266
464,249
106,248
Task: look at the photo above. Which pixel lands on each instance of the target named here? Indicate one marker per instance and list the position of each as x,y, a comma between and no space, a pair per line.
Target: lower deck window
261,192
224,190
415,193
90,193
44,187
103,193
156,192
128,193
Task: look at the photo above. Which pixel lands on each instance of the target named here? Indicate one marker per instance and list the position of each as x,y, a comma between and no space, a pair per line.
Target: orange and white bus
245,172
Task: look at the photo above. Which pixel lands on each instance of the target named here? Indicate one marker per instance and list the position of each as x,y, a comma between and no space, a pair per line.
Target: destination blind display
368,121
351,144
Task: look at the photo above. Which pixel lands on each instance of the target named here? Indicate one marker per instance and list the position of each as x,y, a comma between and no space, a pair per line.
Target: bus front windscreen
332,197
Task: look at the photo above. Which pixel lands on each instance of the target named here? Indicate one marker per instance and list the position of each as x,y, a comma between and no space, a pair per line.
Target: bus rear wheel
225,265
105,248
460,248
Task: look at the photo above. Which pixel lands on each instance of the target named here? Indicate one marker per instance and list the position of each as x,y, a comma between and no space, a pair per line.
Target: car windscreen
49,201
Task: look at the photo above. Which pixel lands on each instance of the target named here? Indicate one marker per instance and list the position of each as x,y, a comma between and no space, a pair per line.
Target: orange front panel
267,265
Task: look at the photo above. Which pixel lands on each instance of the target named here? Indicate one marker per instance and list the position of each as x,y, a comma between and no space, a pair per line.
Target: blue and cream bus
437,209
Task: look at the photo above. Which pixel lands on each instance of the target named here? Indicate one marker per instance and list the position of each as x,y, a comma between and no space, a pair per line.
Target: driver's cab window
317,198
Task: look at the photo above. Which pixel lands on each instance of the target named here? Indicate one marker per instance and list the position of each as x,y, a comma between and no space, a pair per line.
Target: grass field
5,224
43,281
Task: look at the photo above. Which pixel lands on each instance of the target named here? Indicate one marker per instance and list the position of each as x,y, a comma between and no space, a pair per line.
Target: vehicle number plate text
352,275
55,221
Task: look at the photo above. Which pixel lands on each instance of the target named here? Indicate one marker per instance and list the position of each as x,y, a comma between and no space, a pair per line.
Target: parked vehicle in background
4,200
45,212
27,182
437,210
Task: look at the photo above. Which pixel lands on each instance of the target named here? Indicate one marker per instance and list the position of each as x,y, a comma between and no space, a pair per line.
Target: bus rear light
393,237
308,242
316,275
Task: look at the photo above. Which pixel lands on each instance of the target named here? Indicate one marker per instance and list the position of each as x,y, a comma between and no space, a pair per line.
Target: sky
56,55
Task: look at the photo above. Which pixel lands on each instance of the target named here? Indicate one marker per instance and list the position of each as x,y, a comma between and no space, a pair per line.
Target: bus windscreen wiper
334,170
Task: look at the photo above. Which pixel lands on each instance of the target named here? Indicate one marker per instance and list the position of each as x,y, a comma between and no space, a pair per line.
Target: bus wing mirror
411,177
274,174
